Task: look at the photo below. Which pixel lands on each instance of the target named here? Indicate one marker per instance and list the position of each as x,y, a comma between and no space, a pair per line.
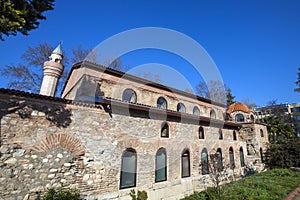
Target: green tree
298,82
22,15
283,150
277,129
284,154
229,97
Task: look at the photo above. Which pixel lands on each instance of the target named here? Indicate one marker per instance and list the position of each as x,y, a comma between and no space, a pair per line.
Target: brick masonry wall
46,143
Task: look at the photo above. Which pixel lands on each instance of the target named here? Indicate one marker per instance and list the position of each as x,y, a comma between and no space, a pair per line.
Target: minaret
52,72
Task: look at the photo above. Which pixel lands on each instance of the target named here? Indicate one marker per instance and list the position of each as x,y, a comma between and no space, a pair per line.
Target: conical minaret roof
58,50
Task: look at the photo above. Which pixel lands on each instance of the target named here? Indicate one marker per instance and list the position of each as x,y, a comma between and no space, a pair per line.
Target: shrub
141,195
284,154
61,194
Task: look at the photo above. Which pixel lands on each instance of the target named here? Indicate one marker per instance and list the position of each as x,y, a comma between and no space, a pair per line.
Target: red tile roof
237,106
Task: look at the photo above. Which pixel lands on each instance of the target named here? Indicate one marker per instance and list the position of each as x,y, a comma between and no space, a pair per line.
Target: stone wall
256,143
46,143
24,173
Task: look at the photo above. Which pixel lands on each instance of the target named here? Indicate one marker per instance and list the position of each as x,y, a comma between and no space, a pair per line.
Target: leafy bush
284,154
61,194
141,195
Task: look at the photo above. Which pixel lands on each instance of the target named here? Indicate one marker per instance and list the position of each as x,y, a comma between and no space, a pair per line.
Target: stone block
37,189
60,155
11,161
63,180
53,170
85,177
41,114
49,156
67,174
51,176
26,197
67,164
34,113
43,176
4,149
23,161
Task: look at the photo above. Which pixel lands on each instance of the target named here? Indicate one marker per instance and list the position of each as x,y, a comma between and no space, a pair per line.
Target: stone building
112,132
288,113
251,131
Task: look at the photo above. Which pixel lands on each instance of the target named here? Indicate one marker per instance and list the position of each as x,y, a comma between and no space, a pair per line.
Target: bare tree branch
250,104
36,56
28,75
152,77
25,79
80,54
214,90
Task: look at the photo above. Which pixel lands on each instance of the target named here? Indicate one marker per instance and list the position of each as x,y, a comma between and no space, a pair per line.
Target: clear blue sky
255,44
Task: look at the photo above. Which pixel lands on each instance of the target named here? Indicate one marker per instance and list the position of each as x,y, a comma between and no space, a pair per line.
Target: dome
237,106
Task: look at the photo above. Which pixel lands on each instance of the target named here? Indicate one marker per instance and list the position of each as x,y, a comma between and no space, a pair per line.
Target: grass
270,185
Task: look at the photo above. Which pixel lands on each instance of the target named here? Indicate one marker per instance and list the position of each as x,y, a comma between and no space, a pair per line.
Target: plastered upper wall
114,86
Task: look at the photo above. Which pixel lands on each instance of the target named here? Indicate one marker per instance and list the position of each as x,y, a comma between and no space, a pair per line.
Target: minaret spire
52,72
58,50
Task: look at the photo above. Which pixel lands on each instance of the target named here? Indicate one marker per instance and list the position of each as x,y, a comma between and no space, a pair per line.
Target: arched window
234,135
185,163
242,157
164,130
252,118
220,159
129,95
204,162
181,108
261,133
161,165
213,114
201,132
128,169
220,134
239,118
196,111
231,158
162,103
261,154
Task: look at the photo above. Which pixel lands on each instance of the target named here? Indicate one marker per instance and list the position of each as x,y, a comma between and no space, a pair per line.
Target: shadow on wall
56,114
